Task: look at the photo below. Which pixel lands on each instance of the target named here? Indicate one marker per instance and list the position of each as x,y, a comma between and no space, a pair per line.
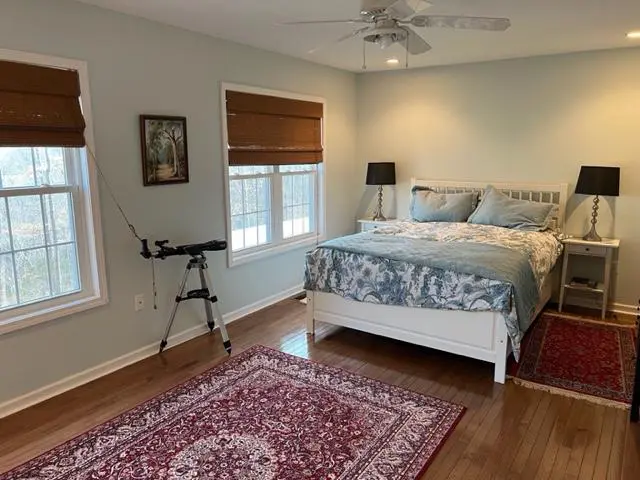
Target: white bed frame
479,335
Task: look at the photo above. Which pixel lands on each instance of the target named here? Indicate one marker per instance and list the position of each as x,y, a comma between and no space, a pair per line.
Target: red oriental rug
262,415
579,358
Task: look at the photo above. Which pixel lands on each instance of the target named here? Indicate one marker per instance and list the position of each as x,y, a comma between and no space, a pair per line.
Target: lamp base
593,236
377,215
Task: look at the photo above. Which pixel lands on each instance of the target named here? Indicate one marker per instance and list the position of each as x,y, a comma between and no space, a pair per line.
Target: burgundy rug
588,358
261,415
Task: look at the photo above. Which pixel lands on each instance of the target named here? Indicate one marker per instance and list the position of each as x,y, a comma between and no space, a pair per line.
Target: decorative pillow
500,210
430,206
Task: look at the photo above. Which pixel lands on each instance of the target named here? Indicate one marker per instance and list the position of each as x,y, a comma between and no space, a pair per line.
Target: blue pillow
500,210
430,206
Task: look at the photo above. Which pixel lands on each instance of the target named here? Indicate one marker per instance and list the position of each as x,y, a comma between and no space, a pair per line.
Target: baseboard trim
612,307
44,393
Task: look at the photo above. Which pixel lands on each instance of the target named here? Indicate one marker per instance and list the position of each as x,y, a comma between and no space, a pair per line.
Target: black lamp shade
599,181
381,173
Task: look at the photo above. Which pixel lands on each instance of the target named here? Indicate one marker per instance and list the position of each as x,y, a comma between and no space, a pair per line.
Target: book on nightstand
583,282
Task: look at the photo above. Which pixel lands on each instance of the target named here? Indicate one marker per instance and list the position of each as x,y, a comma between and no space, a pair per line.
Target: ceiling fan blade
405,8
467,23
312,22
355,33
414,43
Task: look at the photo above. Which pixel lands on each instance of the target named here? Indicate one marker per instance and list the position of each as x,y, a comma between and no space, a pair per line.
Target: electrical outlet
138,302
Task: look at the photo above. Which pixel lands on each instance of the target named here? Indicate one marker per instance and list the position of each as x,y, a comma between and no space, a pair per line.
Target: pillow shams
500,210
430,206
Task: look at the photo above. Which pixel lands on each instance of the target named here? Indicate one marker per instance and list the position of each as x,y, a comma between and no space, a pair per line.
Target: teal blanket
488,261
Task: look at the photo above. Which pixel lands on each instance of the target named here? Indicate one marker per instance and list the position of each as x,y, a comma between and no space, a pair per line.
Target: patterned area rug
579,358
261,415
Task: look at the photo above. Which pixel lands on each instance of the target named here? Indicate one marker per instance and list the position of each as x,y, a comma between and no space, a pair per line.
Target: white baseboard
595,304
93,373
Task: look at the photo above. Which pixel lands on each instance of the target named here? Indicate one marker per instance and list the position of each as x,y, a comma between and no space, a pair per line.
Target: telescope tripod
203,293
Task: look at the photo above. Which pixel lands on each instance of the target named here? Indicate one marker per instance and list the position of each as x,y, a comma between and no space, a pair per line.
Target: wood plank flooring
508,432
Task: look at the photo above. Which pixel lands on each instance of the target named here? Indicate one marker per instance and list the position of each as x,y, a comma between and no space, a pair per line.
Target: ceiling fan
390,21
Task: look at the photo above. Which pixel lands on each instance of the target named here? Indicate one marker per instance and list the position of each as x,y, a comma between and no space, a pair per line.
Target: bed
449,306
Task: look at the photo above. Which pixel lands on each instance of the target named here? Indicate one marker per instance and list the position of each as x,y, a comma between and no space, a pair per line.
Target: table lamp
381,173
598,181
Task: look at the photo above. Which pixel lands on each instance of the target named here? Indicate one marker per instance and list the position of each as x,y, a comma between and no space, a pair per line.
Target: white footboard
481,335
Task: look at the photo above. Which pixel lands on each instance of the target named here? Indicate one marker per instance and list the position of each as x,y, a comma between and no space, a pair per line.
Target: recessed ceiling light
635,35
393,61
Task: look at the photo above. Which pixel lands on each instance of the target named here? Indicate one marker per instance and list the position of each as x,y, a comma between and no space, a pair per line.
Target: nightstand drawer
591,250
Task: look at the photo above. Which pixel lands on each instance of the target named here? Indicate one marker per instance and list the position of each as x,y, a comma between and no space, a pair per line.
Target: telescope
193,250
198,261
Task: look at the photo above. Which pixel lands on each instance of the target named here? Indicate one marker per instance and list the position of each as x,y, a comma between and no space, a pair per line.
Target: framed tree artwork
164,150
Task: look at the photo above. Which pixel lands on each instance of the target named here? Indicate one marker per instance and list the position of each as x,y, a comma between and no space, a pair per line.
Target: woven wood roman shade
265,130
40,106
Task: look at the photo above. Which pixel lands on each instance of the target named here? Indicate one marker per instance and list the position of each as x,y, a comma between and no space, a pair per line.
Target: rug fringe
570,394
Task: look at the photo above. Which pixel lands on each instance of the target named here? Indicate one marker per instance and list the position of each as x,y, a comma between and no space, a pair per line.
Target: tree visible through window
38,243
271,203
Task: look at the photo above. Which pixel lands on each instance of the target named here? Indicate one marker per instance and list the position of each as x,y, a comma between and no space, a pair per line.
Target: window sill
240,258
20,321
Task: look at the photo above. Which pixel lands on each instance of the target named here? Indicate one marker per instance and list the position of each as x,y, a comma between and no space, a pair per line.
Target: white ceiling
538,27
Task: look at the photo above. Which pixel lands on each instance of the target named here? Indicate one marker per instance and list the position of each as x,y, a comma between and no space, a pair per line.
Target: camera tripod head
193,250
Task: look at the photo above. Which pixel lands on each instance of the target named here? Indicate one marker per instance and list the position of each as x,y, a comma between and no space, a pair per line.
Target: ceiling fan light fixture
385,41
393,61
634,35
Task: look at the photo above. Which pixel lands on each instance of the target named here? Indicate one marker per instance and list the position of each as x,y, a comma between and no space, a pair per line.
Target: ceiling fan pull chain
364,55
406,60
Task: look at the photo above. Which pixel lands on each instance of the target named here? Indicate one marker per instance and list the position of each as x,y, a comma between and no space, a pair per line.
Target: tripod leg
217,319
207,306
163,343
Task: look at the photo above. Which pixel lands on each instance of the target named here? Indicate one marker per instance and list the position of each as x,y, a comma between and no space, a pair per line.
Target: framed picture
164,150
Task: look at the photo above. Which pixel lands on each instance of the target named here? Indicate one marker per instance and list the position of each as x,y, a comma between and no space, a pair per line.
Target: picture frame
165,155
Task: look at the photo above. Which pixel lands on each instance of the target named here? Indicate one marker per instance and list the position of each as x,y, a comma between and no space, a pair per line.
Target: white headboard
556,193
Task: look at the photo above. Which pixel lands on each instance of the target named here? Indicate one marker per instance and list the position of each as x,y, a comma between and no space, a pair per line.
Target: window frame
279,245
86,209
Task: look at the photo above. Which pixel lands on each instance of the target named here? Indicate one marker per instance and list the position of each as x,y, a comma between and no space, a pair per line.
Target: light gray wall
530,120
136,67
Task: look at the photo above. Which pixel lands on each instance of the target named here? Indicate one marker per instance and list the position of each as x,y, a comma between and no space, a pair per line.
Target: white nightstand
366,224
605,250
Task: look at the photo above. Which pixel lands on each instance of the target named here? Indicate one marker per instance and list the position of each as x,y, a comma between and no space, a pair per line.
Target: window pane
7,282
250,204
237,232
264,227
16,167
298,168
50,166
287,222
235,190
33,275
250,195
63,265
251,230
287,190
250,170
58,215
5,241
27,227
264,194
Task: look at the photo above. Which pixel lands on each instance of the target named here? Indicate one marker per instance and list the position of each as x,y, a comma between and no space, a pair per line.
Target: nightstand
578,247
367,224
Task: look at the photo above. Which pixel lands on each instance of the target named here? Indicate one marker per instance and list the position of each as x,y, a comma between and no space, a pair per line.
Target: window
274,173
271,204
50,259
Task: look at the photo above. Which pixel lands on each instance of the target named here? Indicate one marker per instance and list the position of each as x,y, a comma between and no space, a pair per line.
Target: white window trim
263,251
96,294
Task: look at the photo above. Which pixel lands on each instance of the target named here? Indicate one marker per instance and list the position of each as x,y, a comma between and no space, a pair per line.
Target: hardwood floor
508,432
